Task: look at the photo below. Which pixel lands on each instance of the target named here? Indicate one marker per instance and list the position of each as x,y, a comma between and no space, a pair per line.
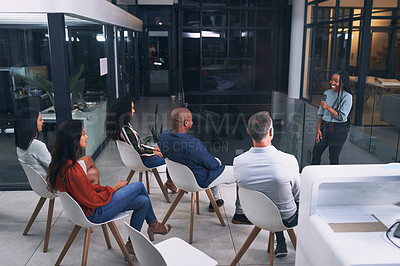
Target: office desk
354,190
93,120
380,85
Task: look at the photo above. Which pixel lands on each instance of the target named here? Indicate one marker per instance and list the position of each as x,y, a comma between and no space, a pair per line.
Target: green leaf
74,79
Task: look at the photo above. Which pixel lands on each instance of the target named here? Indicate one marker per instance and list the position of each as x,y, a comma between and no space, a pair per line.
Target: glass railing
379,133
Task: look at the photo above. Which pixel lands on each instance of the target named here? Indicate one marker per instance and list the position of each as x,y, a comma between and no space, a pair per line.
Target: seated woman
99,203
31,151
118,127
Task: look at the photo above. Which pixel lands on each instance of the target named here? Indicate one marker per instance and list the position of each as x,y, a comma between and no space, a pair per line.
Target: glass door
158,63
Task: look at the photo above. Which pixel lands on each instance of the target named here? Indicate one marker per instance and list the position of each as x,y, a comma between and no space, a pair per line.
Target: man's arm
202,157
296,179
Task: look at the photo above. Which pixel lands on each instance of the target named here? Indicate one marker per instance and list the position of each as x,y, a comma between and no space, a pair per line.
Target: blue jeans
130,197
153,162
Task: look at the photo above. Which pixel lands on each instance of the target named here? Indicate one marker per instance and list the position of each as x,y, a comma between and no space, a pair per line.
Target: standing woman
118,127
99,203
30,150
332,114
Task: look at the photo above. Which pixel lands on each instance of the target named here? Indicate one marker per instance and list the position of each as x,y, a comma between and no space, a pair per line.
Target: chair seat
186,253
116,217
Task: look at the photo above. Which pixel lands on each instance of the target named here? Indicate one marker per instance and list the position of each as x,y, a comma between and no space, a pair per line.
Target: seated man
270,171
183,148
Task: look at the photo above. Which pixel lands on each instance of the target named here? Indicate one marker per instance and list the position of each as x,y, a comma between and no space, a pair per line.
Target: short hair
258,125
25,126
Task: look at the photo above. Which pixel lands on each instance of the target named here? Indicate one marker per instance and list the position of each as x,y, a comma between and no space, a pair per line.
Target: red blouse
76,183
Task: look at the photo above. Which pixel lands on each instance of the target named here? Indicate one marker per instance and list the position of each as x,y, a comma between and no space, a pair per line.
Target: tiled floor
221,243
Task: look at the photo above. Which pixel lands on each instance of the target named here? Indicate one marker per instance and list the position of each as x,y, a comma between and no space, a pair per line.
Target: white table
371,189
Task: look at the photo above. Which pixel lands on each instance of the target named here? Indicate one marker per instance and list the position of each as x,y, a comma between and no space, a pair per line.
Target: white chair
76,216
131,159
264,214
185,180
39,186
173,251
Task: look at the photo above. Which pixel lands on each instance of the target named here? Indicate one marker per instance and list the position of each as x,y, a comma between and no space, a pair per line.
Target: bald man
179,146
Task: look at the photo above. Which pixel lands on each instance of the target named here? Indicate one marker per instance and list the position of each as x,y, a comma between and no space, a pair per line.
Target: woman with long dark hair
118,127
99,203
333,118
30,150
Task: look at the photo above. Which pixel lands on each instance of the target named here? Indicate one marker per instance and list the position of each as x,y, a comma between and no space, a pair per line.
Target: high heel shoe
151,230
171,186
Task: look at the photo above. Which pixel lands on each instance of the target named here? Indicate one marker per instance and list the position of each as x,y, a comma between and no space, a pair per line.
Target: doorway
157,51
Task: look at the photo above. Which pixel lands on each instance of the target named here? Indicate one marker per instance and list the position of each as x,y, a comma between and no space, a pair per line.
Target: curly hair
120,114
67,147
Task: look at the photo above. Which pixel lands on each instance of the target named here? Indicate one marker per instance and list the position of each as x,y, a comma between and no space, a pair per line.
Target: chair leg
86,246
214,204
191,218
106,236
198,202
48,225
173,206
271,248
117,236
246,245
129,177
293,238
71,239
163,189
34,215
141,177
147,182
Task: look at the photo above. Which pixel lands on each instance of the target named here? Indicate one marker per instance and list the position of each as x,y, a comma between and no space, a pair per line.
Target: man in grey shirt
270,171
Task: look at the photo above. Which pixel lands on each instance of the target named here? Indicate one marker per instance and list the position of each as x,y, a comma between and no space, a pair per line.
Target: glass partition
86,53
24,67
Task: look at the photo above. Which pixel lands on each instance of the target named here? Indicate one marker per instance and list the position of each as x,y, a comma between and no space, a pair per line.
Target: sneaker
281,250
219,202
240,219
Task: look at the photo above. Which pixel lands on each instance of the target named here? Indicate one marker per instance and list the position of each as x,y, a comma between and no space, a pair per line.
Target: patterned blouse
130,136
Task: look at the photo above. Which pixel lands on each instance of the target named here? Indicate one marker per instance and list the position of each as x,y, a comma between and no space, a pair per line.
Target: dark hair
25,127
258,125
344,83
120,114
67,147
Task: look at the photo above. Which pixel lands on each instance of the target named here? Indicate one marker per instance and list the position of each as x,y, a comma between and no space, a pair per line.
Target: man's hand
120,184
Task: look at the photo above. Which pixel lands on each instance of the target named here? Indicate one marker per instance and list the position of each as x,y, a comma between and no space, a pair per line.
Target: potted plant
155,131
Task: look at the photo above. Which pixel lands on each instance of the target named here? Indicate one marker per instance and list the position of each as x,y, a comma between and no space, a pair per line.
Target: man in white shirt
270,171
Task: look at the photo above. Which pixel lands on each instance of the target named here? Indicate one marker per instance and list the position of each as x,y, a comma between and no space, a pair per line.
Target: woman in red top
99,203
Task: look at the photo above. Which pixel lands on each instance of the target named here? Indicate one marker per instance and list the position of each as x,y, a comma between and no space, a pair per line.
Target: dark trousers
333,135
290,222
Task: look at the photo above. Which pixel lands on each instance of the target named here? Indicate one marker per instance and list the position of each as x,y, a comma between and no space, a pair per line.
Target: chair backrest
260,210
145,251
130,157
182,176
37,182
73,211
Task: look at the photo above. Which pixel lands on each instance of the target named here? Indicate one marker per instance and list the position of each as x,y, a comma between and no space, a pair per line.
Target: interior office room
225,60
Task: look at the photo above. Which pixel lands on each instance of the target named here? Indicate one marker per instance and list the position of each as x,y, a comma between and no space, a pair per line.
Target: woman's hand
157,152
120,184
318,137
324,105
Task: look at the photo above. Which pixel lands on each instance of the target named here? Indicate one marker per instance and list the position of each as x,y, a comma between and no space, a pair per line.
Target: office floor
221,243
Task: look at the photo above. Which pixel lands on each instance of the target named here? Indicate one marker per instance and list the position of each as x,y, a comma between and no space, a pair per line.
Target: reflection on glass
214,44
86,47
24,69
342,45
191,18
191,49
355,38
214,18
379,49
159,61
241,43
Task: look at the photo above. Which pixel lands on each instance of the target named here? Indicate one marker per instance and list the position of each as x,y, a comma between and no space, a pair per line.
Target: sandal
171,186
151,230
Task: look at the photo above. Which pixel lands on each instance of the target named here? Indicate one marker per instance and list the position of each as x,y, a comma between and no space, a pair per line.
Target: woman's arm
318,137
332,111
131,137
93,174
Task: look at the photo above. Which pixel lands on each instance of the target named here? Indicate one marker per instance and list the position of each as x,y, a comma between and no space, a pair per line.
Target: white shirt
272,172
37,156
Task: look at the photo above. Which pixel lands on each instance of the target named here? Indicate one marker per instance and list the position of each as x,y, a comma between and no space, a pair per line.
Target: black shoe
240,219
219,202
281,250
